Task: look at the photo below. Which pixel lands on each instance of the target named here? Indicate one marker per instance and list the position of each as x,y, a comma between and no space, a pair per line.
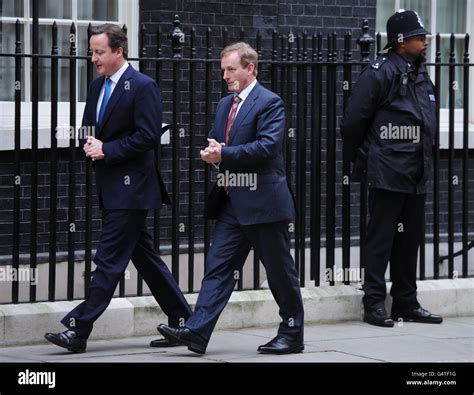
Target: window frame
128,14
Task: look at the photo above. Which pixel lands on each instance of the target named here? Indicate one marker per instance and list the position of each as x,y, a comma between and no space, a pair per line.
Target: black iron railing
314,84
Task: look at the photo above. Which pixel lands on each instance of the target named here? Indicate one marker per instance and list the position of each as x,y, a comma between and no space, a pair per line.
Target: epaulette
378,63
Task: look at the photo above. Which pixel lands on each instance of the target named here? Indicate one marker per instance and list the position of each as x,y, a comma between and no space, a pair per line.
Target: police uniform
388,132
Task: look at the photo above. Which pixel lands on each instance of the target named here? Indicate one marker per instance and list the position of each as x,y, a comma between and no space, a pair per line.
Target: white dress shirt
114,79
244,94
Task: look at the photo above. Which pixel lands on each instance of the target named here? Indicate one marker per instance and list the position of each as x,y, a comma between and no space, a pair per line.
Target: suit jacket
255,147
128,176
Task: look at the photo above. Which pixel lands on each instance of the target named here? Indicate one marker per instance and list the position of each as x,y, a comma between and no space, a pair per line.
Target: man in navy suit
124,108
253,208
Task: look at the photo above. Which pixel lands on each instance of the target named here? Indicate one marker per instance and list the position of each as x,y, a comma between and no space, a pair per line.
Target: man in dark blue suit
124,108
252,203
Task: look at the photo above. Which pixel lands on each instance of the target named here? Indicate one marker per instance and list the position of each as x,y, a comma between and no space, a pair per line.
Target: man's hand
212,153
93,148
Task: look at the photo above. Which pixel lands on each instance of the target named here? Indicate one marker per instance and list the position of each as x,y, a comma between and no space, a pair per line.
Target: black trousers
393,234
125,237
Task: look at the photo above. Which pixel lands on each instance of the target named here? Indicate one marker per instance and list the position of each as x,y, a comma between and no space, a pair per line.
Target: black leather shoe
281,345
184,337
163,342
417,314
378,317
68,339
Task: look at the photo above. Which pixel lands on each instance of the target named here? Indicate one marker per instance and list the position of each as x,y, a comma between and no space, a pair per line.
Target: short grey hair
247,54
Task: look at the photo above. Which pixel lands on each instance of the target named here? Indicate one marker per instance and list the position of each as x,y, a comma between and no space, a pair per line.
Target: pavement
350,341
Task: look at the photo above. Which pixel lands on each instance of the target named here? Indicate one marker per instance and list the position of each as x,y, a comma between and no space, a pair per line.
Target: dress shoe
416,314
163,342
185,337
378,317
281,345
68,339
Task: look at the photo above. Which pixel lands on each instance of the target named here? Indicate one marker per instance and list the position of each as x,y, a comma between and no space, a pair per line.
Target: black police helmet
406,23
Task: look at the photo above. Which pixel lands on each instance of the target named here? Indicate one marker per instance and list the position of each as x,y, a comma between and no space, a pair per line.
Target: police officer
388,132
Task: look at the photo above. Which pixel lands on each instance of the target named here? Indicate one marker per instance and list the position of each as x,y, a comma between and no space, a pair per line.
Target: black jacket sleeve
363,102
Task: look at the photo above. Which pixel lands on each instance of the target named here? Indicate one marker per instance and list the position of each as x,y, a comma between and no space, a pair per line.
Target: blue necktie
105,101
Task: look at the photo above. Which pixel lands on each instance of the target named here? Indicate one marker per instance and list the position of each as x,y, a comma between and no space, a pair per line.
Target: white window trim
459,112
128,14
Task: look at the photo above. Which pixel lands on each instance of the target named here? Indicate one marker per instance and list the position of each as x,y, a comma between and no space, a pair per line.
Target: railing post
176,37
289,106
298,153
225,42
331,156
72,164
53,166
207,128
16,166
34,147
378,47
451,101
141,68
316,121
365,41
436,161
142,50
465,159
158,79
191,175
274,67
89,177
346,165
256,259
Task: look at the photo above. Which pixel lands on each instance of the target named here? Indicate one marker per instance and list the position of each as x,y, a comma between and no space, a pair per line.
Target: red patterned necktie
231,117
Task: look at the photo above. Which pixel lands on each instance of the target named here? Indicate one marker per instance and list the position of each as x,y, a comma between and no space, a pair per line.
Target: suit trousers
125,237
231,243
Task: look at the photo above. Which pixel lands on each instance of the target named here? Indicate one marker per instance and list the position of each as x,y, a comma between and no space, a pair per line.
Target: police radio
403,84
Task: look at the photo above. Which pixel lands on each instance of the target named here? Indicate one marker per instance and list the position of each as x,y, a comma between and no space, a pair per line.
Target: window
64,12
444,17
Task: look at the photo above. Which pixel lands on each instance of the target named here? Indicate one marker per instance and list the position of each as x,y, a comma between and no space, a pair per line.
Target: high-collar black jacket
389,125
